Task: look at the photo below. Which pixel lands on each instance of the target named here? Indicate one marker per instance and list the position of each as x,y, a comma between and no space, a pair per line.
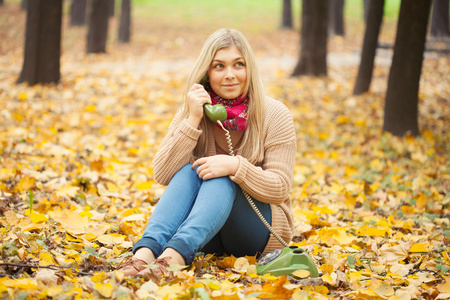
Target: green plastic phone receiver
215,112
281,261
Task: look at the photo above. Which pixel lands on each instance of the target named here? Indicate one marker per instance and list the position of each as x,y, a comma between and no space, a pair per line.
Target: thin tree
373,24
313,52
125,22
401,104
336,17
42,42
440,20
78,13
98,18
286,22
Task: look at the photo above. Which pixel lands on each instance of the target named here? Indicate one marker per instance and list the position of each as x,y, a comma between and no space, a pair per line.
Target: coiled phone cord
247,196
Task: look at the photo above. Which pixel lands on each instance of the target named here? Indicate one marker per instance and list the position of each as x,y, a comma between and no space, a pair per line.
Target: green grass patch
354,9
238,13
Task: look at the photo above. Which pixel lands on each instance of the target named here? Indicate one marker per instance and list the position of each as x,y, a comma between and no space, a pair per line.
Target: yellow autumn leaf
327,279
321,289
214,285
22,96
67,190
119,275
251,269
301,273
111,239
444,287
99,277
366,294
90,108
112,187
392,255
54,291
46,259
343,119
144,185
343,238
323,135
90,236
170,291
71,221
384,290
354,276
37,217
327,268
420,248
241,264
26,183
373,231
21,283
106,290
11,217
422,201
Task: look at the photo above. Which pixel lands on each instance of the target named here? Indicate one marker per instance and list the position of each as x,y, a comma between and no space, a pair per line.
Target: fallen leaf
444,287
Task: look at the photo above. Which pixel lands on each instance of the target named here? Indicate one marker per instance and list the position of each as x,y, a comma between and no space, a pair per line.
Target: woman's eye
218,66
240,64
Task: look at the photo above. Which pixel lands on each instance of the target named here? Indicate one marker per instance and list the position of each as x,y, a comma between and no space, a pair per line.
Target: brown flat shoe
132,267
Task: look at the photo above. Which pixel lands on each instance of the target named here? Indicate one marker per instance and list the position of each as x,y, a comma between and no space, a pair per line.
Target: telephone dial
281,261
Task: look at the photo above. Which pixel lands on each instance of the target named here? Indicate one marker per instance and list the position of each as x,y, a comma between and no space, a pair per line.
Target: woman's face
228,73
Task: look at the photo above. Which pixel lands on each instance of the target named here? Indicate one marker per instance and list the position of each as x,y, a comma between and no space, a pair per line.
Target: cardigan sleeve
271,182
175,151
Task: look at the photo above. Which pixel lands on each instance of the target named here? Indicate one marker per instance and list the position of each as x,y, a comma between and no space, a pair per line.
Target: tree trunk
373,24
440,20
24,5
336,17
366,5
125,22
42,42
401,105
313,53
78,13
287,15
1,2
98,26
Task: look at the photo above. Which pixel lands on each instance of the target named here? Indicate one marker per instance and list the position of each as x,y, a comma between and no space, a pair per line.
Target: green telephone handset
215,112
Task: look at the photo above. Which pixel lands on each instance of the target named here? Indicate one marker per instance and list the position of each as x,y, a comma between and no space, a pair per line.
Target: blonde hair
251,145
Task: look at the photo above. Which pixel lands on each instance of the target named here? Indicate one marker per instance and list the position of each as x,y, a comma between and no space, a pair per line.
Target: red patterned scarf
237,111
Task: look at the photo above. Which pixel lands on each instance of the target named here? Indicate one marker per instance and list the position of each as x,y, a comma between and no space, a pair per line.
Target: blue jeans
211,216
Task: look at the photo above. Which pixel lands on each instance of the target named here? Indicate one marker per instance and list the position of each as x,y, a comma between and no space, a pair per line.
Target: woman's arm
178,146
175,151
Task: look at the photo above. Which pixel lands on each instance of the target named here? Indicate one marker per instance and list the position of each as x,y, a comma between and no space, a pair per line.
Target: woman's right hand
196,97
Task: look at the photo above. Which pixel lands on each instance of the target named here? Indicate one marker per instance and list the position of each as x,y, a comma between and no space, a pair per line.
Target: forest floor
77,187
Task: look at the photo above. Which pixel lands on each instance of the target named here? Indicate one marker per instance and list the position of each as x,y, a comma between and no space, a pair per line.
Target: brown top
268,182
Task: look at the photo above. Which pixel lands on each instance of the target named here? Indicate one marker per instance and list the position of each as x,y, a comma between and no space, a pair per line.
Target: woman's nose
229,73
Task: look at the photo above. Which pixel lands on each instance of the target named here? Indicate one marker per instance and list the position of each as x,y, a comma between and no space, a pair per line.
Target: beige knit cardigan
269,182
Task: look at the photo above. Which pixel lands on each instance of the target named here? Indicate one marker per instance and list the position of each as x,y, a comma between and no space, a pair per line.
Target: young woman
203,208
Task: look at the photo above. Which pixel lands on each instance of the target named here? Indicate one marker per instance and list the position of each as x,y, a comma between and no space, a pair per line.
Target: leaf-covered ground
77,187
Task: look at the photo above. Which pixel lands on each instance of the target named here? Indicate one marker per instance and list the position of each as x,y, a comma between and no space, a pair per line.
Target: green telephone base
285,262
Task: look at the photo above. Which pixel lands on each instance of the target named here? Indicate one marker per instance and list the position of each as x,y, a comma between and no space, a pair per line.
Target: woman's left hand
216,166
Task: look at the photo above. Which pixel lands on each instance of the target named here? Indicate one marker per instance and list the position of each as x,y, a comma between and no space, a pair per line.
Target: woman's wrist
235,165
194,122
